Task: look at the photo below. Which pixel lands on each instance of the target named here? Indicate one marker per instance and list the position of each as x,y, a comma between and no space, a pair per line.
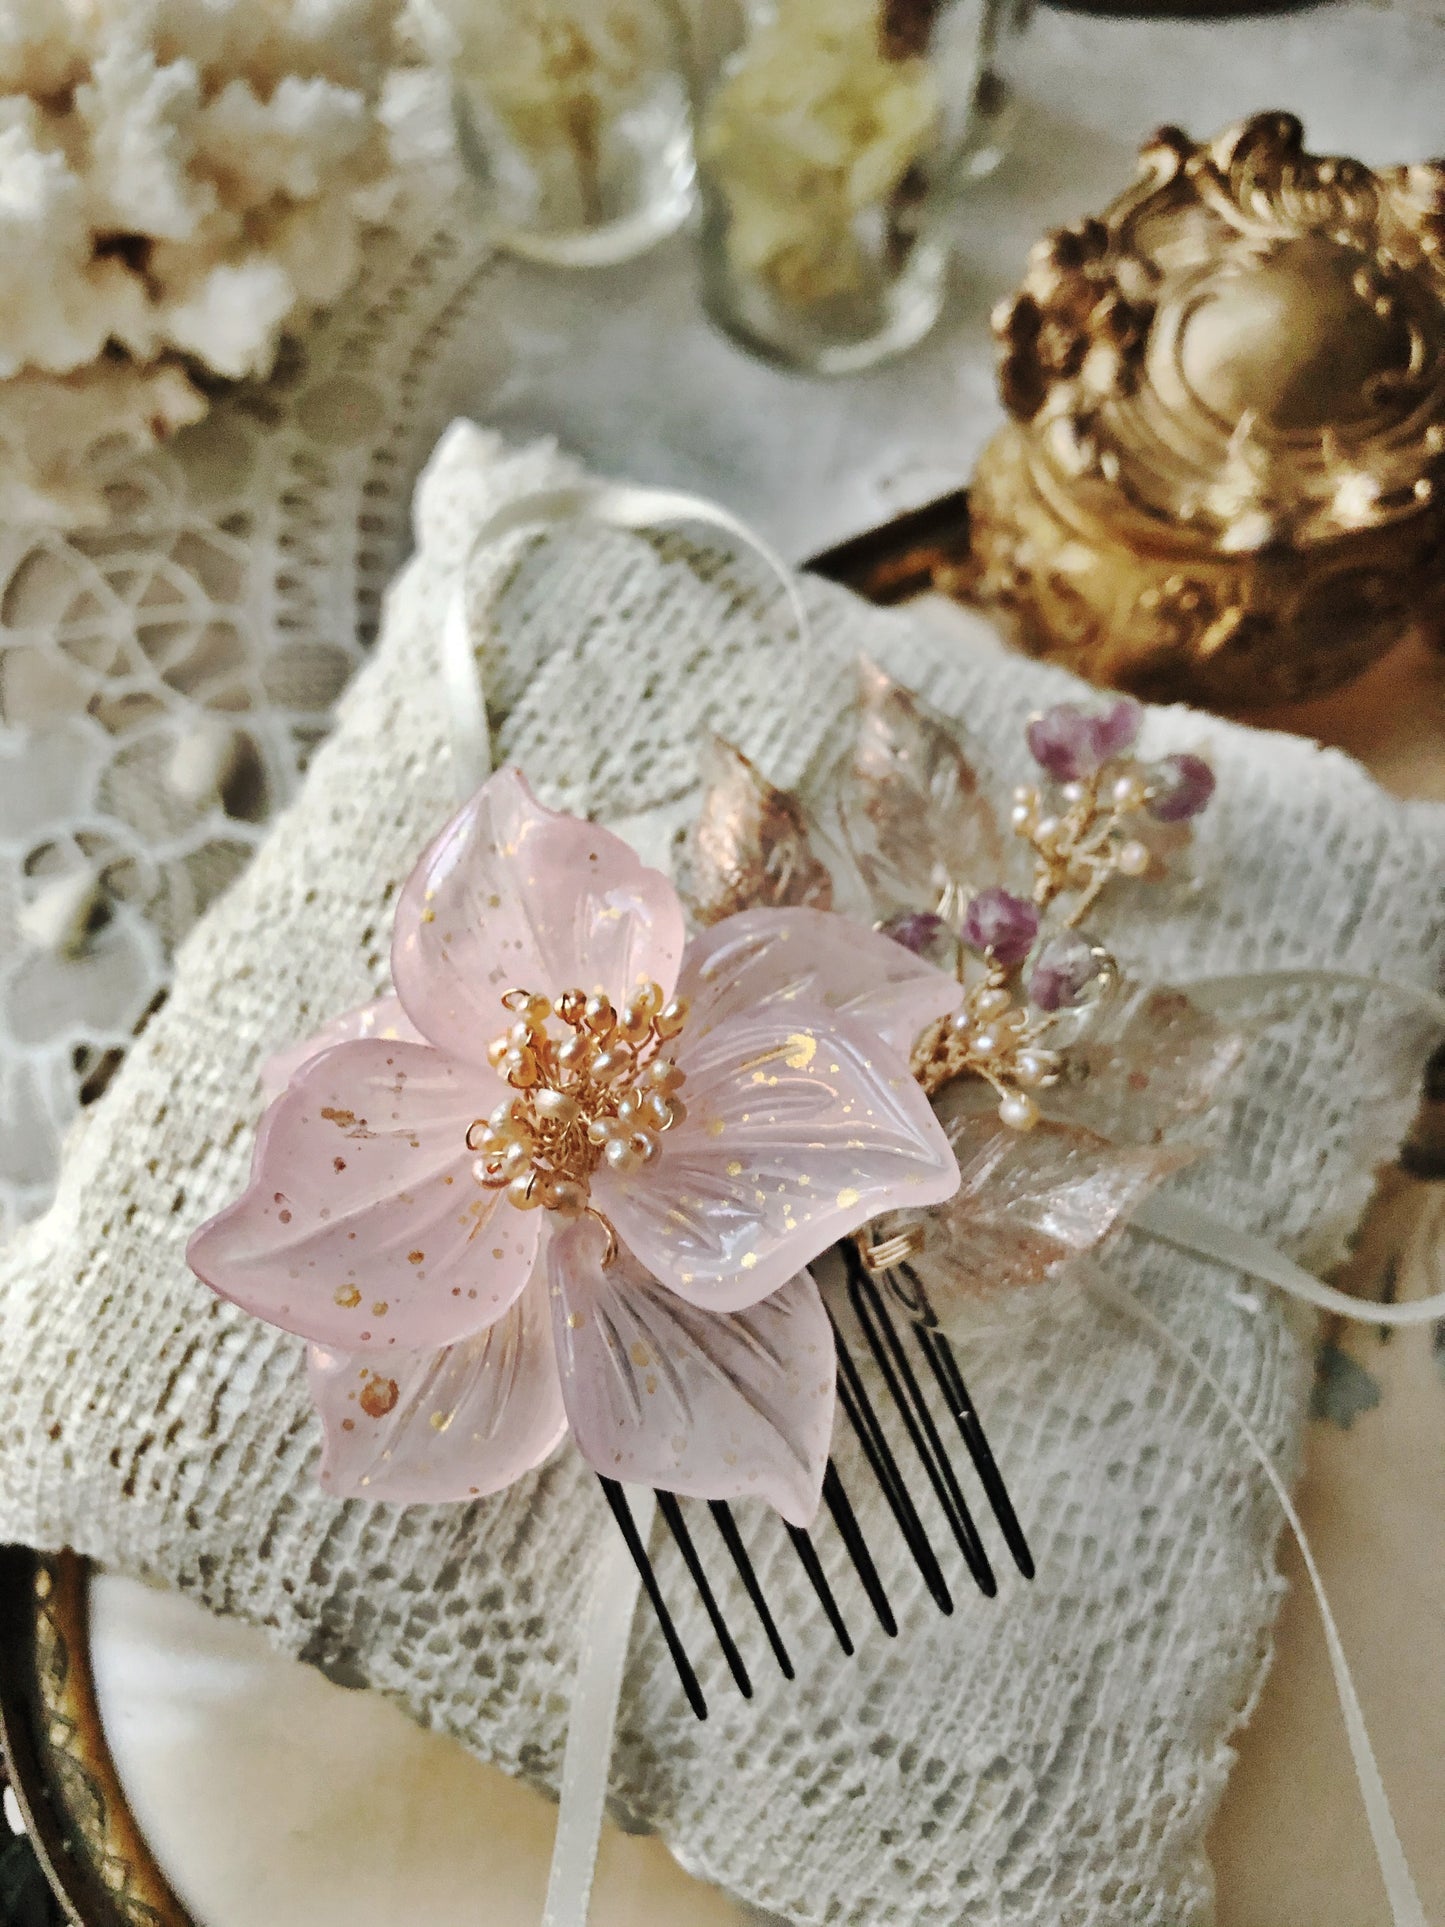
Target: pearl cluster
593,1084
1082,825
992,1037
1084,830
1085,841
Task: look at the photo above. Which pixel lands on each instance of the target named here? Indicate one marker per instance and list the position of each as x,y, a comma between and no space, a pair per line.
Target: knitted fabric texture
1052,1756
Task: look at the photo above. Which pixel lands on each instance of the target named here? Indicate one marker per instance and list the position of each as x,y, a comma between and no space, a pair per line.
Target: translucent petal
779,958
749,847
920,829
362,1226
422,1428
712,1405
514,896
799,1129
1028,1202
1145,1061
382,1018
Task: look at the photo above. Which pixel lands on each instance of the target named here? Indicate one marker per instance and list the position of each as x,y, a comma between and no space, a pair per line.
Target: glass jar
574,118
832,138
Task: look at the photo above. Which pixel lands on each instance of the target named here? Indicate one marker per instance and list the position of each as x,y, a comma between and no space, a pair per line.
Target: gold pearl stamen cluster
1087,841
593,1084
992,1037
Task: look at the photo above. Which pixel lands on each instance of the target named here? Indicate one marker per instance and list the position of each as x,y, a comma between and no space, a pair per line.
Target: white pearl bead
1046,829
566,1195
986,1043
611,1063
991,1003
1129,791
620,1155
1019,1112
1133,858
556,1106
1073,793
1021,815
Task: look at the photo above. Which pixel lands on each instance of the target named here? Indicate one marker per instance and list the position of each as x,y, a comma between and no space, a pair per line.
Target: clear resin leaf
922,833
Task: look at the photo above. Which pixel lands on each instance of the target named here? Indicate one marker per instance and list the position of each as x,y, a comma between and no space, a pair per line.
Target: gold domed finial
1224,477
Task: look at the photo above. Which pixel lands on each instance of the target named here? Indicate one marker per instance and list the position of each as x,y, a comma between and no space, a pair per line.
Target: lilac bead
1002,923
1066,966
1183,786
1071,744
916,930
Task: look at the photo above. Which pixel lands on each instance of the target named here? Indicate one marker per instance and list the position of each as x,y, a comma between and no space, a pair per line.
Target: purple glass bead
1002,923
916,930
1117,729
1064,969
1072,744
1184,784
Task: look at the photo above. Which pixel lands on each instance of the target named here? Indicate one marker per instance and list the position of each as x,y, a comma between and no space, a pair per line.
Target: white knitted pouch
1052,1756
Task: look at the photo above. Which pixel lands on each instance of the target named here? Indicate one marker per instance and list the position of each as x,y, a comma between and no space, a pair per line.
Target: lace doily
164,680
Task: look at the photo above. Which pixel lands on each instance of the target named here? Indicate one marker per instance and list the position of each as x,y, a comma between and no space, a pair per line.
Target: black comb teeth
873,1313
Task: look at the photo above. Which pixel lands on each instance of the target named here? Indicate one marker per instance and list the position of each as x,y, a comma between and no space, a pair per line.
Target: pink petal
778,958
1028,1203
799,1128
362,1226
383,1018
1147,1061
421,1428
711,1405
514,896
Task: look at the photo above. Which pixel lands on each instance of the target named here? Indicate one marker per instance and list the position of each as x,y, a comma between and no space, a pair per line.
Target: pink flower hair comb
568,1179
570,1176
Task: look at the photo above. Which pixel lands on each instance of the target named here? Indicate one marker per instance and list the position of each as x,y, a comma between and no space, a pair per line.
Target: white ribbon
601,1662
617,505
1405,1907
1179,1223
606,1631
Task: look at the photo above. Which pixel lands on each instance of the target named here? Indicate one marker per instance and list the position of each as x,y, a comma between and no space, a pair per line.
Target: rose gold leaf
915,818
749,847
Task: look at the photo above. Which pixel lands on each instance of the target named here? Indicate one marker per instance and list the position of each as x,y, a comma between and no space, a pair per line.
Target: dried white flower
180,181
549,82
811,133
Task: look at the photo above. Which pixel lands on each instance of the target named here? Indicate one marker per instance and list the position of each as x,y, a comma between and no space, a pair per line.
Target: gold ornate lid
1248,345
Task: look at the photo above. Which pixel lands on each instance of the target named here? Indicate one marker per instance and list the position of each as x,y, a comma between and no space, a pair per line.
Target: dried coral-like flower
182,181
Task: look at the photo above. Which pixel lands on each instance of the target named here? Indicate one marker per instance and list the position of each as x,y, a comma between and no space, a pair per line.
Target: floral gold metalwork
1224,479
